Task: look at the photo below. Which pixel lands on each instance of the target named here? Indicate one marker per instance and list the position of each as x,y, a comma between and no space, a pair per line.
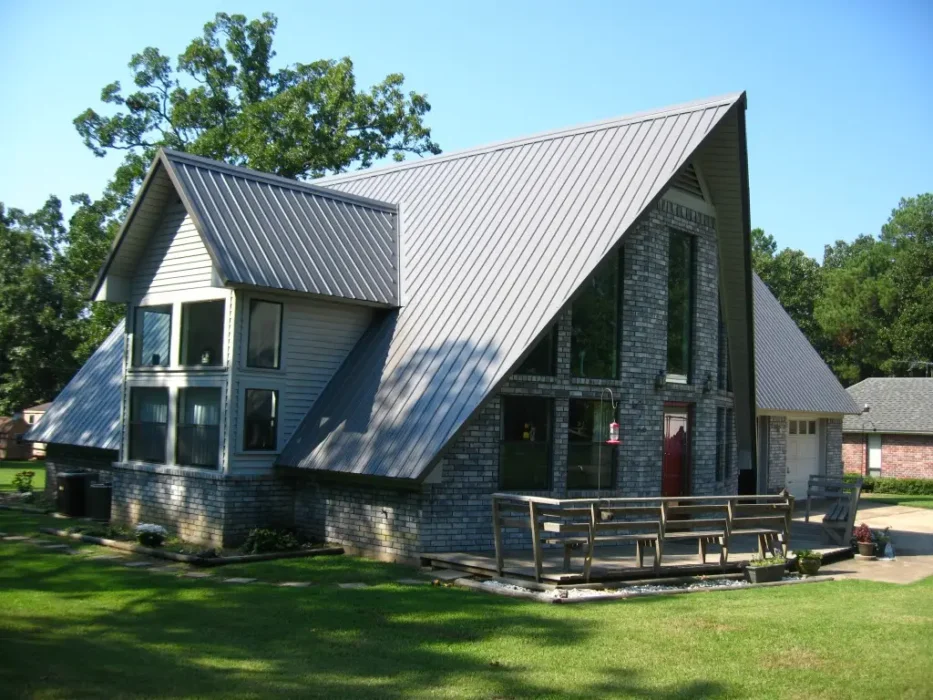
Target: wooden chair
842,499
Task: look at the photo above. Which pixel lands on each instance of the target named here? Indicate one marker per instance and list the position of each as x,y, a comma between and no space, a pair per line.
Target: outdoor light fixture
660,380
708,384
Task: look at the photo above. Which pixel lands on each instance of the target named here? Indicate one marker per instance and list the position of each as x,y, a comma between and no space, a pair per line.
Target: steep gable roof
896,405
495,242
87,411
269,232
790,374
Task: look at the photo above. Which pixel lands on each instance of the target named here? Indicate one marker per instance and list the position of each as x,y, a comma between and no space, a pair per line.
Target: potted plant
765,570
865,541
149,535
808,561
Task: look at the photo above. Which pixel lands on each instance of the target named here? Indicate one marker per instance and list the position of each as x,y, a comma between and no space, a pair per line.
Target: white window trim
176,302
261,383
243,345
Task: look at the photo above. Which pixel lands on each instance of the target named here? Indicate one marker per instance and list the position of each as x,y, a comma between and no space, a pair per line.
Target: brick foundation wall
66,458
777,453
375,521
853,453
205,507
833,446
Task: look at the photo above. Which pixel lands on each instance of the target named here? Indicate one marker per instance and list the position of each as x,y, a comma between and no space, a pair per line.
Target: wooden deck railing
646,522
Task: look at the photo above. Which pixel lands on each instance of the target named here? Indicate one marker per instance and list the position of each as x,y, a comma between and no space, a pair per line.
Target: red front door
674,480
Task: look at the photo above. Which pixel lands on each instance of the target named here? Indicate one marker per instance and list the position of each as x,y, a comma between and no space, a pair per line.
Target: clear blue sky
840,93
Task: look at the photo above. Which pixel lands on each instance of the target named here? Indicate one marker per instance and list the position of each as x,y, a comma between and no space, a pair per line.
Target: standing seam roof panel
484,286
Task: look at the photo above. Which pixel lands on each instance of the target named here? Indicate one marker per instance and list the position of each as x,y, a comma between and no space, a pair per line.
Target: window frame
183,339
613,450
549,442
167,440
619,303
551,338
277,421
249,325
179,414
674,377
138,338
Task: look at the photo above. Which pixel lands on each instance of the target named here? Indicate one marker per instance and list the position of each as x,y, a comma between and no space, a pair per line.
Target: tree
224,100
36,356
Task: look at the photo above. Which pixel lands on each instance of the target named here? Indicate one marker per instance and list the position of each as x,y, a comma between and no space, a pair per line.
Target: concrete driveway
912,535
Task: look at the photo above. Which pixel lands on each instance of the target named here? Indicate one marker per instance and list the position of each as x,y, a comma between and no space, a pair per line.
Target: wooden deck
617,563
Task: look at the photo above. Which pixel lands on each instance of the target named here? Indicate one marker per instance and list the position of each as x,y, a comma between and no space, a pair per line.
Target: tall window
265,334
525,448
152,332
594,340
680,290
590,461
542,358
260,415
198,436
148,424
202,333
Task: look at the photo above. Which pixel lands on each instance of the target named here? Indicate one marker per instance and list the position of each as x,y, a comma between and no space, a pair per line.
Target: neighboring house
894,436
12,446
32,416
369,357
800,402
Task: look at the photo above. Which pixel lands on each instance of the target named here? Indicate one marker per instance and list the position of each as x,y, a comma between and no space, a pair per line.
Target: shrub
863,534
23,481
769,561
149,535
887,484
807,554
263,540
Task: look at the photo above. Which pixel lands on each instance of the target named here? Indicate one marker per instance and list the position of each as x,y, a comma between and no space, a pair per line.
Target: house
32,416
801,404
893,435
369,357
12,430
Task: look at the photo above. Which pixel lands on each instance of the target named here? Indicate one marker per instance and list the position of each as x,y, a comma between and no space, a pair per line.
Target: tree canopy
223,98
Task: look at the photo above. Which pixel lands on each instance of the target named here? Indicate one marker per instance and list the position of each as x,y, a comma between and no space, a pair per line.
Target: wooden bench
623,523
841,505
769,521
705,522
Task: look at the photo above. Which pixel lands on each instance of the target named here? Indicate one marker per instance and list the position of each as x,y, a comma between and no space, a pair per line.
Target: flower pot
808,566
764,574
866,549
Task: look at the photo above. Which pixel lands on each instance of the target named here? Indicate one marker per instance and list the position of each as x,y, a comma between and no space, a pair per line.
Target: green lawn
9,469
900,499
72,628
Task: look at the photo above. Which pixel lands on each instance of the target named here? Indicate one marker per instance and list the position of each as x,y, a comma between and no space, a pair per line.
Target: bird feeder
613,434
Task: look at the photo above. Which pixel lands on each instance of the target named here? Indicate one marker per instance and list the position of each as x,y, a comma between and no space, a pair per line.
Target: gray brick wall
777,453
834,447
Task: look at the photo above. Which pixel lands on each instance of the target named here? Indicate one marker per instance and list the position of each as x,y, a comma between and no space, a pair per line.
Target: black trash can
98,501
72,487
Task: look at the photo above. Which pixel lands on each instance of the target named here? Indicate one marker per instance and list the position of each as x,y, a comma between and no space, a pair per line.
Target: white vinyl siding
317,336
175,259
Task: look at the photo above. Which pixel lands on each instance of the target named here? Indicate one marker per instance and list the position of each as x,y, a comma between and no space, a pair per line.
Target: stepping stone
447,574
295,584
2,534
165,570
197,574
55,546
17,538
352,586
106,557
238,580
138,564
413,582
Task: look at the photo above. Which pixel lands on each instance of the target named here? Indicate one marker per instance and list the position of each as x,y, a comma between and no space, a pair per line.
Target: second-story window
543,356
680,305
202,333
152,340
594,340
264,347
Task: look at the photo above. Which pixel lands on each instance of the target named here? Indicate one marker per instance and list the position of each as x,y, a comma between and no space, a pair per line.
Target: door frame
687,408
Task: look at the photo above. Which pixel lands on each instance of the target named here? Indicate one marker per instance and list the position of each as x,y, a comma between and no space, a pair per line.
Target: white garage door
803,454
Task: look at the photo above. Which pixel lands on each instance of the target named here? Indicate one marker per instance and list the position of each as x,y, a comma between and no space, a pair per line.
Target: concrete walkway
912,536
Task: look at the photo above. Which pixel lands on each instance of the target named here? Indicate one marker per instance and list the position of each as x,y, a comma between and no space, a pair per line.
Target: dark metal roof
495,242
272,232
87,411
790,374
896,405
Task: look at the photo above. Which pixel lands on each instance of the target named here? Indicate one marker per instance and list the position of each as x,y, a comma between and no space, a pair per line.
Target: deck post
497,535
535,541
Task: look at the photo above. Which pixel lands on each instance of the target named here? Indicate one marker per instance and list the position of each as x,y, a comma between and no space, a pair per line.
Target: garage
803,453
